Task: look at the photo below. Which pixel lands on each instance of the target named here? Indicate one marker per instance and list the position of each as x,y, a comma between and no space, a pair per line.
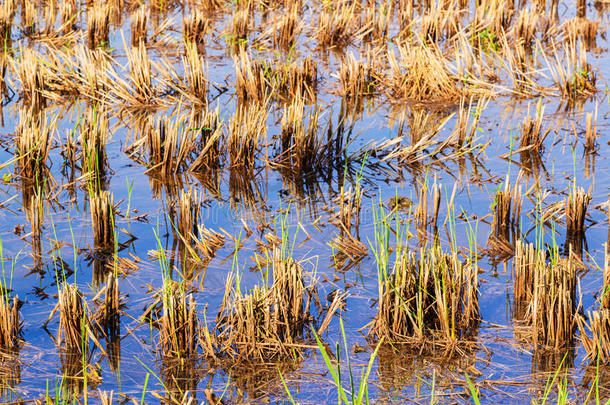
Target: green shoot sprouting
361,395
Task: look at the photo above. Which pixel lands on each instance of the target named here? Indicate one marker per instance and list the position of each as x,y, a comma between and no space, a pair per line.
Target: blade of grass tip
338,357
594,387
144,390
432,401
364,381
349,366
356,401
547,389
473,391
151,372
292,401
226,388
331,367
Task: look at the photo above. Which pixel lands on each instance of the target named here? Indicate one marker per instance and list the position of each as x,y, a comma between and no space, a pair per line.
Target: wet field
246,202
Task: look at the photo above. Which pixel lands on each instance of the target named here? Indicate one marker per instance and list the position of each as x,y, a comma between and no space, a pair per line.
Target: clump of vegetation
32,79
240,25
357,78
336,26
507,213
139,26
288,27
574,77
554,303
168,146
32,146
302,148
195,26
11,324
526,262
419,73
195,74
68,10
98,24
207,129
298,79
526,27
425,296
246,131
178,324
95,129
267,321
581,28
532,132
141,76
428,296
73,319
102,220
576,212
548,287
595,329
252,79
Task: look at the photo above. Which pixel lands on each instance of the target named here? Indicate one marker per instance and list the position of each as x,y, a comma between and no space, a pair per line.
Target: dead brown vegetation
336,23
547,287
32,145
103,220
139,26
576,212
526,263
195,73
195,26
268,321
246,131
98,24
302,148
419,73
72,319
595,329
428,296
532,132
358,78
252,79
10,321
507,213
178,324
288,27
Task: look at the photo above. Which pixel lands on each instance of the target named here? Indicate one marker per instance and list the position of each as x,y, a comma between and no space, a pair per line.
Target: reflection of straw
102,219
98,24
576,212
139,22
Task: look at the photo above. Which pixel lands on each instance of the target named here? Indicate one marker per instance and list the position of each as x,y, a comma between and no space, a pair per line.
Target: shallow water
503,369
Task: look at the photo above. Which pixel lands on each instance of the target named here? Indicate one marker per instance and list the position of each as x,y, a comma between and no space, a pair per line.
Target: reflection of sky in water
67,221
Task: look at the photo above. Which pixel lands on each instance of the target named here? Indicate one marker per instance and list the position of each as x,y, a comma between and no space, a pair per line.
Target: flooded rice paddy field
246,202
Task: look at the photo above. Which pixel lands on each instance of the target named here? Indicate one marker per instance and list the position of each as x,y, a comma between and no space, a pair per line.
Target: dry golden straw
428,295
102,220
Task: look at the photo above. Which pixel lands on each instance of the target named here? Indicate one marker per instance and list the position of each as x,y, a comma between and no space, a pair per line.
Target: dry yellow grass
428,296
268,321
103,220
